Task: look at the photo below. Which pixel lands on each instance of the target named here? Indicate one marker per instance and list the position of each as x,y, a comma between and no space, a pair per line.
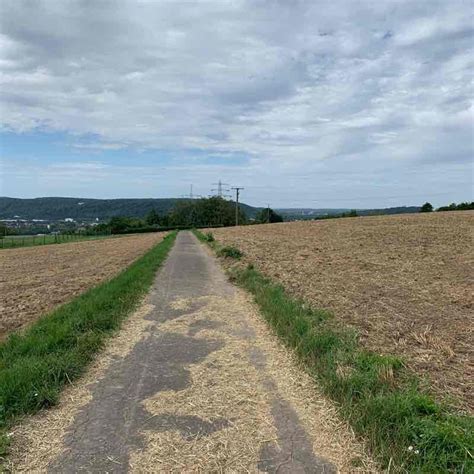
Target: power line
191,195
237,191
220,189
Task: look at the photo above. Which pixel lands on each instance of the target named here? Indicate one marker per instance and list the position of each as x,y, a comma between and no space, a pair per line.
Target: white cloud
292,85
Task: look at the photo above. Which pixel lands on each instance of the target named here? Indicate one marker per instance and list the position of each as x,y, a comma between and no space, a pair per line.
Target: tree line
463,206
205,212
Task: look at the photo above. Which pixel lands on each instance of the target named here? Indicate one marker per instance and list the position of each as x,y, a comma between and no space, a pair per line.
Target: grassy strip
37,363
222,251
404,427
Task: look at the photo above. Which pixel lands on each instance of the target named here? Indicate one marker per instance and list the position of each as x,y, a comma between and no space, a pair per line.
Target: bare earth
194,382
34,280
405,282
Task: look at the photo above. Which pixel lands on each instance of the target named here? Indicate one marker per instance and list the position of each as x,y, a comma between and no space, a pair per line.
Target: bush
231,252
209,237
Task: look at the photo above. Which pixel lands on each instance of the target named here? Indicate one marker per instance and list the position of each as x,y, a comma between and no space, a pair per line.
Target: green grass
230,252
384,402
208,237
37,363
222,251
15,241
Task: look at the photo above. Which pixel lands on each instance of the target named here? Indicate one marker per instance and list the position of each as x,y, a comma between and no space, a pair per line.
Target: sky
316,103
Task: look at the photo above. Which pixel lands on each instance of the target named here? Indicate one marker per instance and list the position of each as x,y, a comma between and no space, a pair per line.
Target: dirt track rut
195,382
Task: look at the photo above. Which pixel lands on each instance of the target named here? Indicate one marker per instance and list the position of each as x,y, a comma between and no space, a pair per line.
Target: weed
209,237
230,252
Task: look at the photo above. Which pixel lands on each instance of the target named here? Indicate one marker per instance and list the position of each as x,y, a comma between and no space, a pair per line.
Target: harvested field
405,282
34,280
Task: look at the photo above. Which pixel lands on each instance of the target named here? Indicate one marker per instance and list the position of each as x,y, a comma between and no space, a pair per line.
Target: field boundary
35,364
386,404
20,241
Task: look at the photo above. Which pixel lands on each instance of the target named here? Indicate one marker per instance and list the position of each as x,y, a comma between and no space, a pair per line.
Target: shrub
209,237
231,252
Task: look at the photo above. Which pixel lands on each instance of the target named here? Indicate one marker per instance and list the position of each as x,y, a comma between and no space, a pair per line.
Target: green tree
152,218
427,207
212,211
266,216
123,224
352,213
463,206
4,230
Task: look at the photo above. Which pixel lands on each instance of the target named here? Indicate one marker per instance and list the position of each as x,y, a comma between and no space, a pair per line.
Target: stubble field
34,280
404,282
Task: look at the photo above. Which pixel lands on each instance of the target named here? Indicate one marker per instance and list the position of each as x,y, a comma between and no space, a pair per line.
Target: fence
14,241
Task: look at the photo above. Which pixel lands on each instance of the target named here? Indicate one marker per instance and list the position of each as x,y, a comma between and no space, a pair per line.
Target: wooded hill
56,208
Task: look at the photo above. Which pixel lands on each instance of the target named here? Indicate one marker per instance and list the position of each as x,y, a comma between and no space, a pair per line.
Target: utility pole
237,191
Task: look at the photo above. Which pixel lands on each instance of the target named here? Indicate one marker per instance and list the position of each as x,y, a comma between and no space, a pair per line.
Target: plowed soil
404,282
34,280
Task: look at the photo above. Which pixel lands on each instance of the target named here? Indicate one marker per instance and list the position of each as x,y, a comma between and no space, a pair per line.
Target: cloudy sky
304,103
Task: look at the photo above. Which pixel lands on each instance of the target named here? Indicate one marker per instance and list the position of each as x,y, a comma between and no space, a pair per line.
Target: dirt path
195,382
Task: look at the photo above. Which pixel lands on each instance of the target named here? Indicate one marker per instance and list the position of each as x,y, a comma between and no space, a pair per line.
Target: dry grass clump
405,283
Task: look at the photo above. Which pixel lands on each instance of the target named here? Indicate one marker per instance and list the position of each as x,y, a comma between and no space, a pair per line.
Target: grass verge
222,251
406,430
37,363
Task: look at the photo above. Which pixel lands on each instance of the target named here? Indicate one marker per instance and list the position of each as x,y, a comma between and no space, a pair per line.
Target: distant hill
389,210
55,208
310,213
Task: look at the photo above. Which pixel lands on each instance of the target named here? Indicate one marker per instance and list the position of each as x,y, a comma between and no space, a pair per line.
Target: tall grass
383,401
37,363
